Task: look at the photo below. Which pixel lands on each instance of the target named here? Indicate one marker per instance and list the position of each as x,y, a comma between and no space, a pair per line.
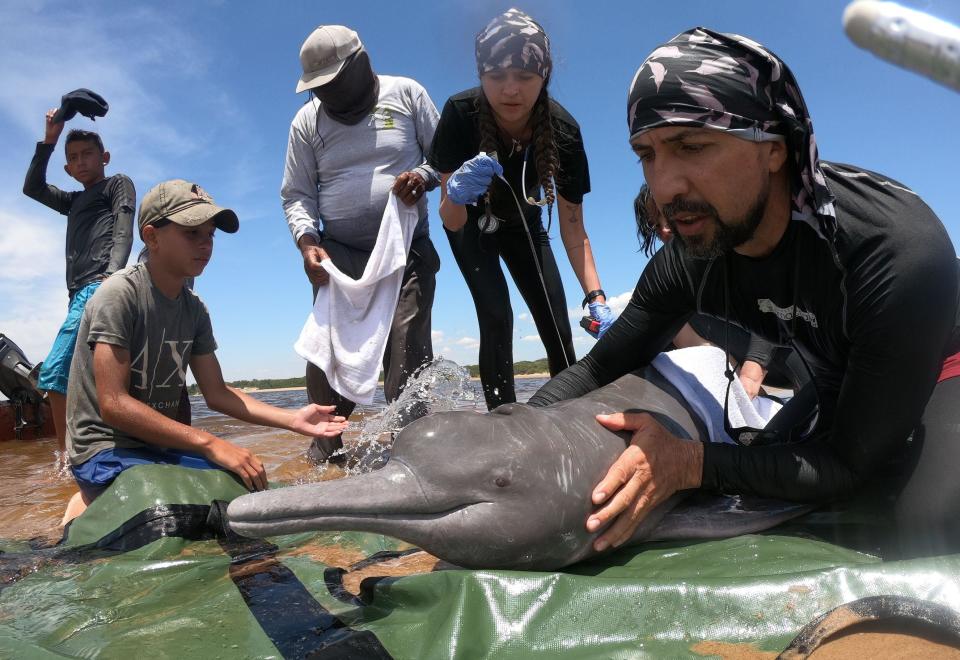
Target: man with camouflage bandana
849,267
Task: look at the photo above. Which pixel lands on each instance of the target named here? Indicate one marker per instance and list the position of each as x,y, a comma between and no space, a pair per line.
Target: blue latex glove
473,178
601,312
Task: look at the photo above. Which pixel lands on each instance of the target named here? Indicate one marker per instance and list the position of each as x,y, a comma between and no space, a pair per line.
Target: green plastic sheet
175,597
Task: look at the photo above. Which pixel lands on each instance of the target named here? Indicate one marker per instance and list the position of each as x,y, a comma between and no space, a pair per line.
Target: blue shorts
55,370
96,474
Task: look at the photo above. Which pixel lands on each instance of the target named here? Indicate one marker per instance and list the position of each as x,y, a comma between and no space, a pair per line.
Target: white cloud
31,281
524,316
31,247
530,338
462,356
619,302
436,335
32,314
469,342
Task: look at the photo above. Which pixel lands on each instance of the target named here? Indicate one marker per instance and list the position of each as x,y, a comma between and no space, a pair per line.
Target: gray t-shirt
161,335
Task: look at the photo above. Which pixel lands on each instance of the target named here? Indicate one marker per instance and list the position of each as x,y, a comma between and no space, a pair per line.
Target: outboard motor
18,382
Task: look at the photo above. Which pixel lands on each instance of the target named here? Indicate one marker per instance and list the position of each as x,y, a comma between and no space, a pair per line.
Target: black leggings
478,256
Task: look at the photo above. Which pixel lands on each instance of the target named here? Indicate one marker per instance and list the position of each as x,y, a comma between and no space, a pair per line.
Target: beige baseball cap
324,53
186,204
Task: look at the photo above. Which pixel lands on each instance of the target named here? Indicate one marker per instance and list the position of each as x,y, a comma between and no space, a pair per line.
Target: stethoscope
489,223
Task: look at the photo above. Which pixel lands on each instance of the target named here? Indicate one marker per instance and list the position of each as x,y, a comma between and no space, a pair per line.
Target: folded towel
698,373
346,334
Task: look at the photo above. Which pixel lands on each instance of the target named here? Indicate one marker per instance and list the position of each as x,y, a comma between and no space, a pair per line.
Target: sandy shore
297,389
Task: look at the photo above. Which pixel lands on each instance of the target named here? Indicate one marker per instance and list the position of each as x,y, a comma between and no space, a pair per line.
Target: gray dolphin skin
509,488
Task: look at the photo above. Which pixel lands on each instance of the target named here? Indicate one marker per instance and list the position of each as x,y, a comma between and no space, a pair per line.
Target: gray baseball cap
324,53
185,204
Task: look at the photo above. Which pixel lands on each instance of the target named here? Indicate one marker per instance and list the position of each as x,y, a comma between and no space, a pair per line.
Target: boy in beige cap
139,333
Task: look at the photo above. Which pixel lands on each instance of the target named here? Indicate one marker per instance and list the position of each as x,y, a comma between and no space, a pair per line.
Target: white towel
346,334
698,373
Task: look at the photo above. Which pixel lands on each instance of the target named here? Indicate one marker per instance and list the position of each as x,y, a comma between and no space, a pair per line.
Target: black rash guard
876,308
99,220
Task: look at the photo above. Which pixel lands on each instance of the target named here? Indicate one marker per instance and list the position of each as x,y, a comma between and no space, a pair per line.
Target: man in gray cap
360,136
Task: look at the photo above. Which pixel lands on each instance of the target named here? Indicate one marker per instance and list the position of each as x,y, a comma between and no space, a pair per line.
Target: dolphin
509,488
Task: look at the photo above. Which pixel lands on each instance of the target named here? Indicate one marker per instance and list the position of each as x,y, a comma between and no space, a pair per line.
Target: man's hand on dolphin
655,466
315,421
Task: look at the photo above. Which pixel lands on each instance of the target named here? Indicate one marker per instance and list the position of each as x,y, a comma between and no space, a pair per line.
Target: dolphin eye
502,482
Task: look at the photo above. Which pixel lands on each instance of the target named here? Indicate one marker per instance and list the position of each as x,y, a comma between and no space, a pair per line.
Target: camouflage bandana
513,39
727,82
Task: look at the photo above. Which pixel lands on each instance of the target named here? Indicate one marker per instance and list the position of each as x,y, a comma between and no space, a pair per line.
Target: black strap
590,297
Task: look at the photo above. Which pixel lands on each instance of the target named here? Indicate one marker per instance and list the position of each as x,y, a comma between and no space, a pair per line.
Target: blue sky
205,91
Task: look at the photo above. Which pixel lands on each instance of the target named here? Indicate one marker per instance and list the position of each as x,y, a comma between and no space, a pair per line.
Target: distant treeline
519,368
261,384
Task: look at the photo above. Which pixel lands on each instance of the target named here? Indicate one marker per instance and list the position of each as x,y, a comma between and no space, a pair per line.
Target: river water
34,492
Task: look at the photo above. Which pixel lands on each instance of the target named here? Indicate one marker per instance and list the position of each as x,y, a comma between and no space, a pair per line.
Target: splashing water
61,465
436,386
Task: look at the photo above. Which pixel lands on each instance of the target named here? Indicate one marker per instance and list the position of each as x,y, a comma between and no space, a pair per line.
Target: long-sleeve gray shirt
337,178
99,220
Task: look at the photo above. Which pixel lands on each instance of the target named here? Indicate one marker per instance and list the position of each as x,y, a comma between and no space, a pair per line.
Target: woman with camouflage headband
527,143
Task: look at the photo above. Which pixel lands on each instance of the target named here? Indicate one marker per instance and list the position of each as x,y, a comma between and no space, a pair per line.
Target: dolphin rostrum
509,488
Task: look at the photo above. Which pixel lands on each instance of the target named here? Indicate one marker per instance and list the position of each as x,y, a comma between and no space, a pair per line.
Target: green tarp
141,594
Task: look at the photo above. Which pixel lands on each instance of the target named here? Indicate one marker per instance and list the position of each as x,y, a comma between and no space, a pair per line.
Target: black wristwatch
590,297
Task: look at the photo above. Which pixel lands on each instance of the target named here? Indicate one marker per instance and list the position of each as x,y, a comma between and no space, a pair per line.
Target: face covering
726,82
351,96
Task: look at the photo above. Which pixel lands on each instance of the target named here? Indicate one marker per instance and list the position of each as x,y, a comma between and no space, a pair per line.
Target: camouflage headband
513,39
727,82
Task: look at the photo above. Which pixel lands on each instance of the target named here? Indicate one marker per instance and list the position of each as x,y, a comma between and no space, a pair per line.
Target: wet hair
544,146
80,135
646,230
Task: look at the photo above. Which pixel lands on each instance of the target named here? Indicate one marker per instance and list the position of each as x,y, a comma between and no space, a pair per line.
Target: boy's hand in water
472,179
242,462
52,131
318,421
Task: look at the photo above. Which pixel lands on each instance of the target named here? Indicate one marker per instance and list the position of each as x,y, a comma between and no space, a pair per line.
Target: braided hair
544,145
